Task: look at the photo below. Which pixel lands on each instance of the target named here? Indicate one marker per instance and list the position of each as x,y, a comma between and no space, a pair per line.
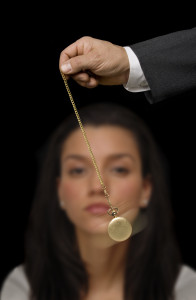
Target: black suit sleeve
168,63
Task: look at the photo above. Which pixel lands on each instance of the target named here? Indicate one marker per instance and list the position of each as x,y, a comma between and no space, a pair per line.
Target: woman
69,254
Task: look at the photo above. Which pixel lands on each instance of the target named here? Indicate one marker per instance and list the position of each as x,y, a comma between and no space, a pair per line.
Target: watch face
119,229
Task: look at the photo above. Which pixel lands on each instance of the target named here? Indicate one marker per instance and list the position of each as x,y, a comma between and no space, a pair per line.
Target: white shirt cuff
137,81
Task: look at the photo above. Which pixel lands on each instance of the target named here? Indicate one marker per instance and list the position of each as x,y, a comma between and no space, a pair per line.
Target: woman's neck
104,260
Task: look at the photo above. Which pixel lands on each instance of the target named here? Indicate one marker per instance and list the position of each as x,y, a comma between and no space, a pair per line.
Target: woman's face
79,190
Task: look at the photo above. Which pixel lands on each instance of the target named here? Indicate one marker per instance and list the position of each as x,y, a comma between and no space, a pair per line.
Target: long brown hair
52,262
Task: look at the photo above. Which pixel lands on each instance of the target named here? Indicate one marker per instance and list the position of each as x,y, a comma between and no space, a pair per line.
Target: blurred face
79,190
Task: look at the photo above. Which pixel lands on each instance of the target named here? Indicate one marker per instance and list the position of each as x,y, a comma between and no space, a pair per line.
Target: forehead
105,140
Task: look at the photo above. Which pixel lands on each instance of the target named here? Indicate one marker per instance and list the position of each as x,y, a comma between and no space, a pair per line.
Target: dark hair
52,262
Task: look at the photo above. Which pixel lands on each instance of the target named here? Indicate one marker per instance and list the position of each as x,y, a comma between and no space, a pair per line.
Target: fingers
75,49
76,65
76,61
85,80
75,58
67,53
64,64
108,63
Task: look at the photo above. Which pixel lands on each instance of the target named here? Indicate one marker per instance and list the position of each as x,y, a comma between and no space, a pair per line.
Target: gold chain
113,210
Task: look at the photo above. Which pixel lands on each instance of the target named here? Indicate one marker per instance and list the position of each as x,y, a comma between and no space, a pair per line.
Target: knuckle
63,55
86,38
86,42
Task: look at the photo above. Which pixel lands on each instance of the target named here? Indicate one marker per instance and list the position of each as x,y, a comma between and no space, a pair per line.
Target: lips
97,208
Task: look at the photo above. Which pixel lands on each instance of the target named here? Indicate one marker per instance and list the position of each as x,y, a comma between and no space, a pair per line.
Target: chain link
113,210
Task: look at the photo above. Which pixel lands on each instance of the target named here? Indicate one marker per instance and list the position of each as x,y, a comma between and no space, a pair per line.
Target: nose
95,186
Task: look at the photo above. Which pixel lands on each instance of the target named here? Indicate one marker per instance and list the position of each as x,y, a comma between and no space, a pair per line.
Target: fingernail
66,68
90,84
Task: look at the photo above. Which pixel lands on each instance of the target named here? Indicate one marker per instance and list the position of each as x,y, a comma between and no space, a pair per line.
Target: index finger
67,53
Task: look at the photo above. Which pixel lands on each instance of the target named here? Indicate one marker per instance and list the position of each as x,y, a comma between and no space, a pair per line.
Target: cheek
71,194
129,191
70,190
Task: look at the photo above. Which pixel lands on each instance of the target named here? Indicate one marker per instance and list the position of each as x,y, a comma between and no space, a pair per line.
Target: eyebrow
110,157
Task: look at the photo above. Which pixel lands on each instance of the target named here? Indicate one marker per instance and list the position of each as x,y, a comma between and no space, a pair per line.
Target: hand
91,62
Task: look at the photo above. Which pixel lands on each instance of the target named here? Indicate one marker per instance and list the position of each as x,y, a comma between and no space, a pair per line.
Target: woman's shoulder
15,285
185,287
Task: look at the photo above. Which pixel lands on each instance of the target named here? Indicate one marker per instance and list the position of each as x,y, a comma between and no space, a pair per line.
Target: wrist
126,77
126,66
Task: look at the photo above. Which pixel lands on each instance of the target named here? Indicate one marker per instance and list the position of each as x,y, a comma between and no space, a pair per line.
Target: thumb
76,64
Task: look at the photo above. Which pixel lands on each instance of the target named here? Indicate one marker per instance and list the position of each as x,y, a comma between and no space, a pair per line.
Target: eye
121,170
76,171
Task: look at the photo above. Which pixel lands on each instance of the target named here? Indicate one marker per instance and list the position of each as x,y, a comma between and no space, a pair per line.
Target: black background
34,102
